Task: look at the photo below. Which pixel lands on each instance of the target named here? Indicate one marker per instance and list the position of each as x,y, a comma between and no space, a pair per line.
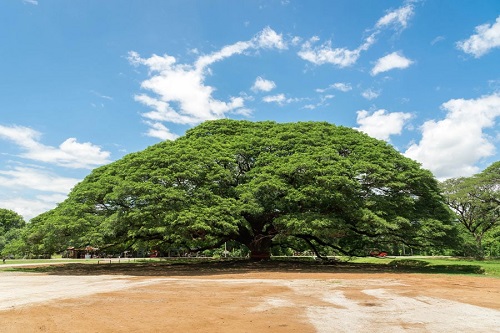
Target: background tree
56,230
261,184
11,225
476,202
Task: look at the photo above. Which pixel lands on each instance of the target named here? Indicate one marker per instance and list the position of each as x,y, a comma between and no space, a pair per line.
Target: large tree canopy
261,184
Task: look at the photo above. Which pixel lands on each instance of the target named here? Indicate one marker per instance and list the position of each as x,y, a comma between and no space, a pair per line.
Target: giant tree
476,202
262,184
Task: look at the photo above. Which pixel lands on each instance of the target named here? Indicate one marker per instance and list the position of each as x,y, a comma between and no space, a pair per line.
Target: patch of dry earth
249,302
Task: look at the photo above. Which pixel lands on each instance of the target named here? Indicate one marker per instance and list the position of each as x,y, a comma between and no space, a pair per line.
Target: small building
86,252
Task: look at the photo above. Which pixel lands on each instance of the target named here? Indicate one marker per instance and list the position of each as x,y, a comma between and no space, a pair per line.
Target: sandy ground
249,302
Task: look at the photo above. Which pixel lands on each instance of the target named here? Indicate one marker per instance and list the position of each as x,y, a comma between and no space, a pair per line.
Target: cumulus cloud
178,92
70,153
269,39
263,85
382,124
391,61
451,147
344,57
486,38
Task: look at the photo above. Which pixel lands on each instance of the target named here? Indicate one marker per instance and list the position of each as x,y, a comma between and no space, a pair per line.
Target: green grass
445,265
79,261
27,261
426,265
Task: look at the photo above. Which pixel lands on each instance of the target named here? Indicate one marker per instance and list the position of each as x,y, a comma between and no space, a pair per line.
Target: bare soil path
246,300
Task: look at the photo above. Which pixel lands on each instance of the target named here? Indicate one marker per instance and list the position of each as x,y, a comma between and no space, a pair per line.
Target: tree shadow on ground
422,266
226,267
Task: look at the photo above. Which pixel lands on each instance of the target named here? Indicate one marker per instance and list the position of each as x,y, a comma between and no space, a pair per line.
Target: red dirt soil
266,302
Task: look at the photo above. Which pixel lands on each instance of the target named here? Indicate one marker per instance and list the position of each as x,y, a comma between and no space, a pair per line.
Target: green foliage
10,220
476,203
408,263
261,184
433,266
11,225
441,265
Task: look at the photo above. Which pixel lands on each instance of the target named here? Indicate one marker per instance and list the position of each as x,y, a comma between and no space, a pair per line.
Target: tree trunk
479,248
260,247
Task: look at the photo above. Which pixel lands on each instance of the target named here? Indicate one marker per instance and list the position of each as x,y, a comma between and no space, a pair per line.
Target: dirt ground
247,301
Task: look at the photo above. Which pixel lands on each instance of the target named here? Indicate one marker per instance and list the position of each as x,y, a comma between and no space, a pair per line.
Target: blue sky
84,82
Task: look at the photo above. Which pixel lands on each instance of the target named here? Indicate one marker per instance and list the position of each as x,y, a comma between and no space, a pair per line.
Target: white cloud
226,52
398,18
29,208
161,111
382,124
280,99
344,87
263,85
451,147
70,153
243,112
268,38
265,39
101,95
296,40
160,131
394,60
325,54
486,38
36,179
19,180
323,102
31,2
344,57
370,94
437,40
178,93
